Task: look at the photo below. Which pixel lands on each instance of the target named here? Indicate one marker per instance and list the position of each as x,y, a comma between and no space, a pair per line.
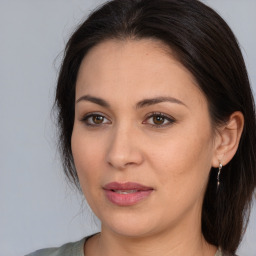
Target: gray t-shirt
72,249
69,249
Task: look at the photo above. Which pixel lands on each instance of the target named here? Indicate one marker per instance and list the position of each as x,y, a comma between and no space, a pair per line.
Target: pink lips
126,194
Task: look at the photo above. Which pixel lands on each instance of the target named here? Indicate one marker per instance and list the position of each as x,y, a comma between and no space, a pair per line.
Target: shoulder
221,253
74,249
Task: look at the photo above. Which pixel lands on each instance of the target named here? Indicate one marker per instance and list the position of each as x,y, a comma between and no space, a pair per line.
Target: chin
130,225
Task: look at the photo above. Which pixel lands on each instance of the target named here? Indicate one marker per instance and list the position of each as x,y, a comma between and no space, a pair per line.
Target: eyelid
167,117
170,119
91,114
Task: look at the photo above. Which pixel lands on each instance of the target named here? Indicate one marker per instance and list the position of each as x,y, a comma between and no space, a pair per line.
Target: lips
126,194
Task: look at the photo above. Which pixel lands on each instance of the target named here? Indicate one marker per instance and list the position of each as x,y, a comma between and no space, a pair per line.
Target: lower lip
127,199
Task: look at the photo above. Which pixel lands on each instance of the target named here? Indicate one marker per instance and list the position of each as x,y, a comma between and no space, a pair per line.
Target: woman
157,128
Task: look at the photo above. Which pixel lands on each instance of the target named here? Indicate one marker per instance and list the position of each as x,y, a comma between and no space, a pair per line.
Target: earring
218,176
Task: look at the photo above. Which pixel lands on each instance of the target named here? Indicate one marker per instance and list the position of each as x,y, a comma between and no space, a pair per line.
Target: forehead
135,68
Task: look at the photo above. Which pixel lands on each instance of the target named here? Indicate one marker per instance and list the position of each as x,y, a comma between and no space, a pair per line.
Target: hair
206,46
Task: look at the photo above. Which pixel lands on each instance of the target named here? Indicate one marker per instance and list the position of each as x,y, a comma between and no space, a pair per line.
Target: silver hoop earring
218,176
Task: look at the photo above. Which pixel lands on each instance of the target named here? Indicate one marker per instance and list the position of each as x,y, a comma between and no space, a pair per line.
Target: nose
124,148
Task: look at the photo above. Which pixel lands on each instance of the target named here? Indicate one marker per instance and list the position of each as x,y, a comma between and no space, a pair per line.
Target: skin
127,144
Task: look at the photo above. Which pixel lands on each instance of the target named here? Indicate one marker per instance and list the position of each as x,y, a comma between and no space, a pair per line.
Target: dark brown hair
205,45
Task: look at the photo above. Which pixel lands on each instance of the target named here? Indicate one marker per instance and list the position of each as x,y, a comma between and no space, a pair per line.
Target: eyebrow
152,101
95,100
140,104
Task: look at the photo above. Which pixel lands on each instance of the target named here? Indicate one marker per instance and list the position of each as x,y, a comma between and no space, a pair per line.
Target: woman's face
142,141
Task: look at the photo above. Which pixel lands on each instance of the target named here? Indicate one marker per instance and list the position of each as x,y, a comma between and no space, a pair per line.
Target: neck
150,246
182,240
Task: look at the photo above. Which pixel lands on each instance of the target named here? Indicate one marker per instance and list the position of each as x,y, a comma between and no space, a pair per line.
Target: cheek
88,156
183,158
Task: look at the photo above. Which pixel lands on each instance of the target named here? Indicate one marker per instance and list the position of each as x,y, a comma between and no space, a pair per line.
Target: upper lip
126,186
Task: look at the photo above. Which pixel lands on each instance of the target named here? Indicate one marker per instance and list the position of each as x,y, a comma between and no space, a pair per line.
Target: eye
95,119
159,120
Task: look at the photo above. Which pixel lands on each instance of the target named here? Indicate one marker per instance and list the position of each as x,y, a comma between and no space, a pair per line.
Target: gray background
37,206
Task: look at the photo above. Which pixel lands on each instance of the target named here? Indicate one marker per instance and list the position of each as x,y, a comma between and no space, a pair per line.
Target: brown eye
158,120
97,119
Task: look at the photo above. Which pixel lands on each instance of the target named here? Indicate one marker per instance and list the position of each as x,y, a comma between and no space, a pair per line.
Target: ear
227,139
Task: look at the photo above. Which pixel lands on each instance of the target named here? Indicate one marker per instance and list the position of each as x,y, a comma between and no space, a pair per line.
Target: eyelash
167,118
90,115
